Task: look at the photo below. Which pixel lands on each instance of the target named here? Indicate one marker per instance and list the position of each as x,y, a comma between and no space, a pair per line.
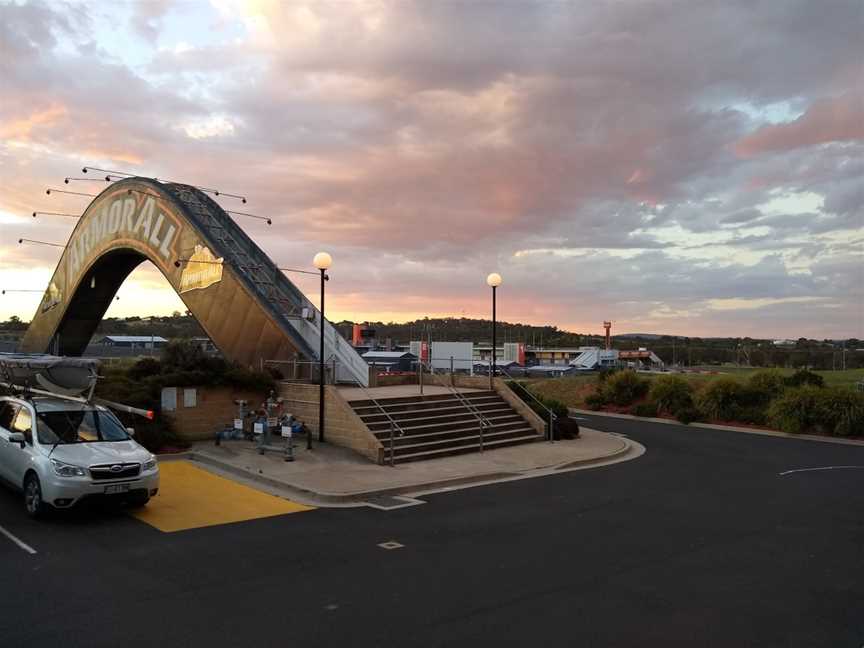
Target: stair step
421,400
442,418
451,434
435,454
461,441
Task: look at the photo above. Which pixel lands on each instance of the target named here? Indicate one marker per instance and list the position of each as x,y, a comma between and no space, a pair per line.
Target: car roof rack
57,377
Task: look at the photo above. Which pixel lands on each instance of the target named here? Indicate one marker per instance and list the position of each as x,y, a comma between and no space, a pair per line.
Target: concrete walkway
333,475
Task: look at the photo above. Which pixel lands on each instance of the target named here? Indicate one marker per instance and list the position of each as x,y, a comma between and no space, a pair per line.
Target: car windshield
78,426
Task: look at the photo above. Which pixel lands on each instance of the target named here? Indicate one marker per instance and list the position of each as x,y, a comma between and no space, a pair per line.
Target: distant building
594,358
390,360
133,341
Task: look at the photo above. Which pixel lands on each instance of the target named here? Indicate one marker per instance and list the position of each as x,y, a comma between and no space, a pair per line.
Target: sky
691,168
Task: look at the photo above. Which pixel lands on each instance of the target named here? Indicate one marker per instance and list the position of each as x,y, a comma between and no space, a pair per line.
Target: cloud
612,160
839,119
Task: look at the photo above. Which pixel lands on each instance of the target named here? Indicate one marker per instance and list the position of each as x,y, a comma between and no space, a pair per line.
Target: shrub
595,401
808,408
804,377
766,385
624,387
671,393
688,415
645,409
752,414
722,398
143,368
545,403
605,374
566,428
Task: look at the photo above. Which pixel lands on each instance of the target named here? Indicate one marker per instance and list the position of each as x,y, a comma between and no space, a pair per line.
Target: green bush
671,393
545,403
648,409
835,411
804,377
604,375
624,387
723,399
688,415
766,385
595,401
752,414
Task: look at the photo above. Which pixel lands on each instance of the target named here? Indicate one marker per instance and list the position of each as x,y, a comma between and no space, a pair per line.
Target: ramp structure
247,306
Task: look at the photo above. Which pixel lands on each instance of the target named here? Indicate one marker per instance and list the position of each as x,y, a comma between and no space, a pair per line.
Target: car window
24,423
78,426
7,414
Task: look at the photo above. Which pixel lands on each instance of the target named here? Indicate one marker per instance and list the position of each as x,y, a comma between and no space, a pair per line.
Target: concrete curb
729,428
360,497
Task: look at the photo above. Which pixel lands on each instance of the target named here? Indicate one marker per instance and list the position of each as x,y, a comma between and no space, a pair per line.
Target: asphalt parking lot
706,540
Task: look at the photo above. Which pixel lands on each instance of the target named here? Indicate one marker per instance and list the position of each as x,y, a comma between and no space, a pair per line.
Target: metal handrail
552,416
482,419
393,423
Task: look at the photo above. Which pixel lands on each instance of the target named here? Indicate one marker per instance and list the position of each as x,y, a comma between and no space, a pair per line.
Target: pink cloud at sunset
829,120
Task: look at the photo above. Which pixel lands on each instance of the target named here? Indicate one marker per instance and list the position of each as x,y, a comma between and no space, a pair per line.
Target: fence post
392,457
551,427
481,436
452,382
420,372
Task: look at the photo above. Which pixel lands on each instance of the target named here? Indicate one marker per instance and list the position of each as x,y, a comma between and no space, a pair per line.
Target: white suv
78,451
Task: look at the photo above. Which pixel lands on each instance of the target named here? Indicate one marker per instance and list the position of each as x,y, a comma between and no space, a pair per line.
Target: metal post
494,340
481,436
420,371
392,456
551,427
452,380
321,370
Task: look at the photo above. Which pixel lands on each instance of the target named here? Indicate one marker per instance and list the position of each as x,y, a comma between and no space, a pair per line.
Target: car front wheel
33,496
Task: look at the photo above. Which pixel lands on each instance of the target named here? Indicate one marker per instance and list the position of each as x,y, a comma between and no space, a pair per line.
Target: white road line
17,541
797,470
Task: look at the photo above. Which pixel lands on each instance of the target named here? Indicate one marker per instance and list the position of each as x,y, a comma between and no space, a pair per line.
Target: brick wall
343,426
214,409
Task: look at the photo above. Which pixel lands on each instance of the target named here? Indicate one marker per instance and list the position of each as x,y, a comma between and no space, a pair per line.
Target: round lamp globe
322,261
494,280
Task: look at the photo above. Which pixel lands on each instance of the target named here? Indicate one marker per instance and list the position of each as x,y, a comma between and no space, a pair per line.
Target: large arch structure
247,306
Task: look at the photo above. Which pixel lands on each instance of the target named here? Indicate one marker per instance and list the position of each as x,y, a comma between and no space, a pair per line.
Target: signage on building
202,270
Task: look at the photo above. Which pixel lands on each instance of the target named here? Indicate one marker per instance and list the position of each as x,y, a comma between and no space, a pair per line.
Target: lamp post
494,280
322,261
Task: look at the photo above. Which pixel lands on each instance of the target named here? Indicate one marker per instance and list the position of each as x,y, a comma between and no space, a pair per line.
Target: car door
8,410
19,458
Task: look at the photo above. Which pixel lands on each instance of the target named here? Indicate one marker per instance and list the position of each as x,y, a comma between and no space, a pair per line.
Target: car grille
115,471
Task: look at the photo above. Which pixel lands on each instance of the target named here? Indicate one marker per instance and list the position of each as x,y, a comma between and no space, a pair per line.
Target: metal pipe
494,338
392,442
321,369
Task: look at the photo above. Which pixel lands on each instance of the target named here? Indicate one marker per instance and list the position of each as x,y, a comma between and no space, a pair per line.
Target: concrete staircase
441,425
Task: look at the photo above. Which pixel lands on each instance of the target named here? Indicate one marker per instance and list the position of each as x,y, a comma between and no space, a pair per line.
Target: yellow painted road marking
190,497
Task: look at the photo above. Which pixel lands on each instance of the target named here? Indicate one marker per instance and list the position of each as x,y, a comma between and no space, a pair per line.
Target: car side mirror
130,431
17,437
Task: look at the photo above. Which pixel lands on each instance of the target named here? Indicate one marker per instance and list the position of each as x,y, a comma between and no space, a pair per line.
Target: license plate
117,488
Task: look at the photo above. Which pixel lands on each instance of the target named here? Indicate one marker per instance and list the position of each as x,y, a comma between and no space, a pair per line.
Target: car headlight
67,470
150,464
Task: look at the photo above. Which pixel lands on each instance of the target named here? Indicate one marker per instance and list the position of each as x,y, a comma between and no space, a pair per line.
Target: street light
322,261
494,280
